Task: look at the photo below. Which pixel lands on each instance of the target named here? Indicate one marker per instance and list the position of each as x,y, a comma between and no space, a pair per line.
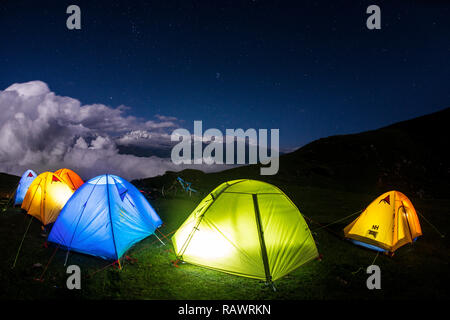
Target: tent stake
159,239
67,257
273,287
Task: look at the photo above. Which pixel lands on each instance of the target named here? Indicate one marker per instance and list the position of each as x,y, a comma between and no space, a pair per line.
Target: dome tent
388,223
46,196
72,179
104,218
247,228
24,183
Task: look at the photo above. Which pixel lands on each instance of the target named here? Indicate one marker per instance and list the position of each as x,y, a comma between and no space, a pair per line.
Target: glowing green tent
248,228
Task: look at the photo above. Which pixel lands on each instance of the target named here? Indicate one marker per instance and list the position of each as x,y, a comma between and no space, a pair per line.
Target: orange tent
46,196
388,223
72,179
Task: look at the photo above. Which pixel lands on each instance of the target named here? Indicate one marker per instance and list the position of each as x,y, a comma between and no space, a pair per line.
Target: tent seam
110,218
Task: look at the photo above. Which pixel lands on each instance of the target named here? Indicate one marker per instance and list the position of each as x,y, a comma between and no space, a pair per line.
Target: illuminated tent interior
72,179
22,188
46,196
104,218
247,228
388,223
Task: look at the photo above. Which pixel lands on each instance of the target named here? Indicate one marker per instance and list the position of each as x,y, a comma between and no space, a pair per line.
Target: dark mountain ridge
410,156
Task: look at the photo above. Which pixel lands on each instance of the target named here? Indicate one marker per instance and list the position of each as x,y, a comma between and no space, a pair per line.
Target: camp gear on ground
186,185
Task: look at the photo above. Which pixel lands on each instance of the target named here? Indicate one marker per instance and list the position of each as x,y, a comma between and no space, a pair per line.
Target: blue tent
24,184
104,217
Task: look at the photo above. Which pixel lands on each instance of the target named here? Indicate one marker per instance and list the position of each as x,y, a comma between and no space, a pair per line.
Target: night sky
310,68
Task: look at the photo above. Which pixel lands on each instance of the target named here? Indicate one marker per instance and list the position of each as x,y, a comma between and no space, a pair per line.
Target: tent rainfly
247,228
46,196
72,179
388,223
24,183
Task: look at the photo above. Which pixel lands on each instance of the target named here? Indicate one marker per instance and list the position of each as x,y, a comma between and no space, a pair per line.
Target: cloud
145,138
44,131
165,118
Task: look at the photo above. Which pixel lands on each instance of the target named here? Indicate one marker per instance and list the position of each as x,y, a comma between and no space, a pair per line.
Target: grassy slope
416,271
313,180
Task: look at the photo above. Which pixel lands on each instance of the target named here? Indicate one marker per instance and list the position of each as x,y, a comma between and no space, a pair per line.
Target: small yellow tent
46,196
72,179
386,224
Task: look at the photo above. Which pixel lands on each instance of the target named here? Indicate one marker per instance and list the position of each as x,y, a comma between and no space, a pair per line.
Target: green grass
416,271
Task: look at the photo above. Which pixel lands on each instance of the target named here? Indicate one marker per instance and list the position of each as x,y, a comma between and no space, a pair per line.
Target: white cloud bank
43,131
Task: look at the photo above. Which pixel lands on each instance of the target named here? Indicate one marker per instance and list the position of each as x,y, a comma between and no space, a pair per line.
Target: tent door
404,216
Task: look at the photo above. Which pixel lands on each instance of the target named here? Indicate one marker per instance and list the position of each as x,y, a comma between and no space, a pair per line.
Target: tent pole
110,218
261,240
199,220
